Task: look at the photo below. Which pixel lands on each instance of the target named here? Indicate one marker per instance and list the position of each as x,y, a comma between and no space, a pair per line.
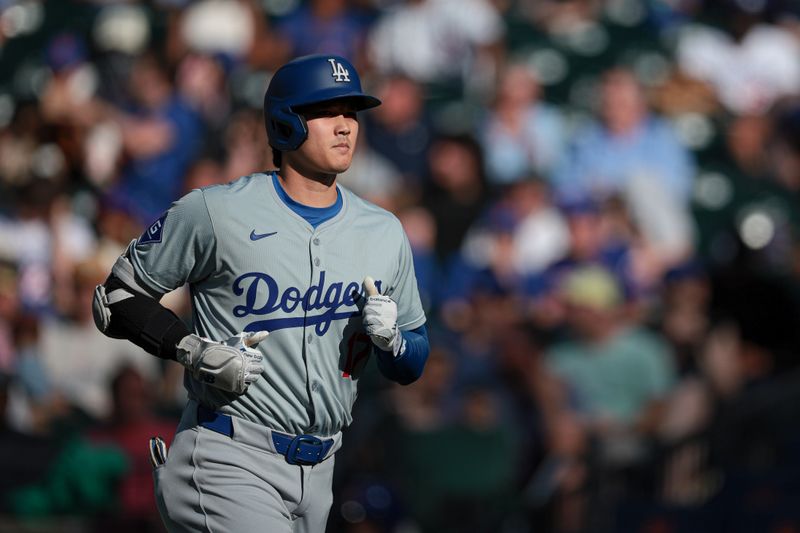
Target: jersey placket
313,342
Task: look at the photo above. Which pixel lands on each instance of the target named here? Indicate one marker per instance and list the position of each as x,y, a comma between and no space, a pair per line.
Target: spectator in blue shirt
521,133
628,144
325,26
162,135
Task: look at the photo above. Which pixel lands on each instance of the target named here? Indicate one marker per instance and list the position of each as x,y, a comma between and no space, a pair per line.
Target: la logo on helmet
339,72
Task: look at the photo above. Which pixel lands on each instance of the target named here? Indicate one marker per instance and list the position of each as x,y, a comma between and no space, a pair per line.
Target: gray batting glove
379,317
231,365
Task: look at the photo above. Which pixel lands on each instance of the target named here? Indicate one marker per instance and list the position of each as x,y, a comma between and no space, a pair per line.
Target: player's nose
342,126
343,130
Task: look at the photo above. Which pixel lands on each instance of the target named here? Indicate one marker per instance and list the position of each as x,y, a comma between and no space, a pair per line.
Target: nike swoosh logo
256,236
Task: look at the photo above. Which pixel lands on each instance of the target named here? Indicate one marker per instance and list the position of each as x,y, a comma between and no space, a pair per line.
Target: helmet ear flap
282,128
286,130
303,128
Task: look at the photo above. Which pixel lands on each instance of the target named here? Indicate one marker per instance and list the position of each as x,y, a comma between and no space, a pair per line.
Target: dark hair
471,145
157,60
277,158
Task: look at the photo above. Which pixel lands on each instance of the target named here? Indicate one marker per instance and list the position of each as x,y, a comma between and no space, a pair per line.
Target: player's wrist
172,338
395,344
399,345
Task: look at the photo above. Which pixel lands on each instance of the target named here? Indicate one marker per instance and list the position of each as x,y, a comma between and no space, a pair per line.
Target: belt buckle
294,450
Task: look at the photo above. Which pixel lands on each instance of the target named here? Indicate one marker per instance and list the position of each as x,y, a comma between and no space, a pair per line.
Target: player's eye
336,112
329,112
319,113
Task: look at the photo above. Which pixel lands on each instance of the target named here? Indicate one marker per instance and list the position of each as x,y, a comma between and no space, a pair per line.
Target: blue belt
298,450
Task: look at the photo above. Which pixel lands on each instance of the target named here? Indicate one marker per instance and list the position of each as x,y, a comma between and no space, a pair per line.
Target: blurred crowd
603,201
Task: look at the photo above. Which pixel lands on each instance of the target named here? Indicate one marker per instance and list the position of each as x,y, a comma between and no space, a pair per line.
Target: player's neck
315,191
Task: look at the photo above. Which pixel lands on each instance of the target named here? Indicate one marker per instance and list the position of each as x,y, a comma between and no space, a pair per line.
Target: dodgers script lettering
322,303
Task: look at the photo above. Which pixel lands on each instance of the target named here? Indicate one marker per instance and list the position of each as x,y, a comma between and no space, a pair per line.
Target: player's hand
231,365
380,320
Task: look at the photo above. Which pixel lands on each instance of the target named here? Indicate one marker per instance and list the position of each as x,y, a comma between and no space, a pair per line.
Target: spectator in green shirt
614,371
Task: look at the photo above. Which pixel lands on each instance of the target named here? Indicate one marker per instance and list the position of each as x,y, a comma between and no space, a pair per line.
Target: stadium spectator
79,363
400,129
522,134
439,41
325,26
627,144
750,63
456,190
161,135
130,425
611,388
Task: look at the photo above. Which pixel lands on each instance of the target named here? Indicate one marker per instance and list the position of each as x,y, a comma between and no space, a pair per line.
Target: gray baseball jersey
254,264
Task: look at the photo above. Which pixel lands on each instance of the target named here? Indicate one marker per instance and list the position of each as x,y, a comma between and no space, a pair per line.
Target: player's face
332,135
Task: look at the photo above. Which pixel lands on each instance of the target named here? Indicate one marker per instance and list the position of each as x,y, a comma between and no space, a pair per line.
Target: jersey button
317,261
316,241
310,339
315,386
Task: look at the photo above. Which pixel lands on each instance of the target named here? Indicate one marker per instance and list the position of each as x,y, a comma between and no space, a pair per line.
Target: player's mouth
342,147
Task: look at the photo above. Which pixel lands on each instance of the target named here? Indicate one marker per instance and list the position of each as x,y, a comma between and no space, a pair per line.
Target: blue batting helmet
308,80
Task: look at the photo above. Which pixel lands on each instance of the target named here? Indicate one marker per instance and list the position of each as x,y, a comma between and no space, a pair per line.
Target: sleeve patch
154,232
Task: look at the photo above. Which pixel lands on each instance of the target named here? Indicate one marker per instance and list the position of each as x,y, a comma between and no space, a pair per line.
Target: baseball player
295,282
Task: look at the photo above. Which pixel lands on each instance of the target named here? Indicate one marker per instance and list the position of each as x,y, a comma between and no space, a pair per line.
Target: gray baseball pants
219,484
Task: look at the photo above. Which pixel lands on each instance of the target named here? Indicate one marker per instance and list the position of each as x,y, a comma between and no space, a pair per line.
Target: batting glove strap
228,365
380,323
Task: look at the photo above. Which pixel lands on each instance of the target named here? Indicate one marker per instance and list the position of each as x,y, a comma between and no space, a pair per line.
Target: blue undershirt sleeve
407,367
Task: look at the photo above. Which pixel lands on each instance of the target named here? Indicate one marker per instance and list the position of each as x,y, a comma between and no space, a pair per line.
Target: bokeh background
602,200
